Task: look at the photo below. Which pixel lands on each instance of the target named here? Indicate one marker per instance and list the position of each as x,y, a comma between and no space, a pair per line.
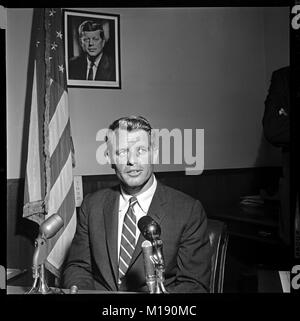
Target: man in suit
100,256
94,63
276,127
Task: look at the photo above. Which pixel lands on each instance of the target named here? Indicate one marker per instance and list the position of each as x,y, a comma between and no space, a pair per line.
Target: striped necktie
127,239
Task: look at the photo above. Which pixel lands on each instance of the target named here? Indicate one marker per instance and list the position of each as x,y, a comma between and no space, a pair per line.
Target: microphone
51,226
149,265
46,230
149,228
151,231
73,289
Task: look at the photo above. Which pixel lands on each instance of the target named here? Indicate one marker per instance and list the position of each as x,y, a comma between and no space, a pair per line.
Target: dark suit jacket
105,71
276,127
277,132
93,261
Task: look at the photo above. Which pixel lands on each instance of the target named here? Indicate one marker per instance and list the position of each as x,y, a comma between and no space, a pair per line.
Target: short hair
130,123
90,25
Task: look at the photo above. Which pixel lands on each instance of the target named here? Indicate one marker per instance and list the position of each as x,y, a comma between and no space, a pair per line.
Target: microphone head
146,244
73,289
51,226
149,228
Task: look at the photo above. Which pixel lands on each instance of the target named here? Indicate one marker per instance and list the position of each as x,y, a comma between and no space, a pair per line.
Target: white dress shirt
140,208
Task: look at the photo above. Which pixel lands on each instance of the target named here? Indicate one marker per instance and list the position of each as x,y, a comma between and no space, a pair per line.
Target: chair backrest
218,237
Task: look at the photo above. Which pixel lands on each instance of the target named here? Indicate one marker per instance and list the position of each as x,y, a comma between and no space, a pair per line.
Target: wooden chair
218,237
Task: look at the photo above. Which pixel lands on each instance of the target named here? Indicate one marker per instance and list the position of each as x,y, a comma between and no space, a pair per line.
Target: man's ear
108,157
155,154
109,160
154,148
80,42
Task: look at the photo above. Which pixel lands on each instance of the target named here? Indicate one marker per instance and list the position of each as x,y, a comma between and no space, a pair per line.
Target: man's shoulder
176,195
282,72
108,66
178,203
104,192
101,194
107,59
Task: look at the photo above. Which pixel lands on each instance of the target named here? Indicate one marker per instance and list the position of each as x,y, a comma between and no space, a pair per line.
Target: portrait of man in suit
94,62
106,251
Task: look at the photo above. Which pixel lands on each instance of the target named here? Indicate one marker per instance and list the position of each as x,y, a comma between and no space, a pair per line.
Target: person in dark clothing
276,126
106,252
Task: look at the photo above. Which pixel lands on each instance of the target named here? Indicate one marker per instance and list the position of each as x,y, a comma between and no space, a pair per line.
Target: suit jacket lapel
157,212
111,209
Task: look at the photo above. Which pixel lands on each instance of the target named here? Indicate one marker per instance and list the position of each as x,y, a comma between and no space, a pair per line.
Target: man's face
131,154
92,43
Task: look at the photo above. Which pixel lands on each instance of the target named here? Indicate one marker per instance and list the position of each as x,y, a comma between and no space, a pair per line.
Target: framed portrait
92,49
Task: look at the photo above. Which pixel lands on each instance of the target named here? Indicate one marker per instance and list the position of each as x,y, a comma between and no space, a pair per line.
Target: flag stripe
63,235
68,202
33,161
57,255
34,180
60,155
56,92
61,187
65,205
58,123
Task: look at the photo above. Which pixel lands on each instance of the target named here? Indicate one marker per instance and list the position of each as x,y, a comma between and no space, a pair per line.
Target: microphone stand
38,269
151,231
159,267
47,230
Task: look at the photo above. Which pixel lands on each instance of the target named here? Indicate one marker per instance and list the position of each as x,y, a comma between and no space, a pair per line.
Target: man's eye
122,152
142,150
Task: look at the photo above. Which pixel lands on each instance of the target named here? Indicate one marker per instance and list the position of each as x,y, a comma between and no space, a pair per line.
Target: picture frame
92,49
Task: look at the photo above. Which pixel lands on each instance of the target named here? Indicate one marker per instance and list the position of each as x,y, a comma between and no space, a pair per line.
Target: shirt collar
144,199
96,62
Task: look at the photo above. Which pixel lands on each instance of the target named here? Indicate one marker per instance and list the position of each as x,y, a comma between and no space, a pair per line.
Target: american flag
49,169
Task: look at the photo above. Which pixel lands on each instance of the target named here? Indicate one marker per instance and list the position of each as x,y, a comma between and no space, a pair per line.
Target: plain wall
181,68
276,31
